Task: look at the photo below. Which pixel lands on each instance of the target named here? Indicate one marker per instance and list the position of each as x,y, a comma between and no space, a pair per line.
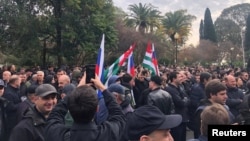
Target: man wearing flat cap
149,123
154,95
32,125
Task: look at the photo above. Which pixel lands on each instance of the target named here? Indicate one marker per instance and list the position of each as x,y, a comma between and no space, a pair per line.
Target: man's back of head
83,104
215,114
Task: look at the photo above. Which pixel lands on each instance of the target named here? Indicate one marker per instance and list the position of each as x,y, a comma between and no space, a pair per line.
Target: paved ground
190,134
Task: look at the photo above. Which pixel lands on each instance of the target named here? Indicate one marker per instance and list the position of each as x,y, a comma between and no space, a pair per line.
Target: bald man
235,95
63,80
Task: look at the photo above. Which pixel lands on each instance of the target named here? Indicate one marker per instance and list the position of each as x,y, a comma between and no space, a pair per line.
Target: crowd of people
57,104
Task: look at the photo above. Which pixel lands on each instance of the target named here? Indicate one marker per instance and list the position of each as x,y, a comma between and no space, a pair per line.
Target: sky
194,7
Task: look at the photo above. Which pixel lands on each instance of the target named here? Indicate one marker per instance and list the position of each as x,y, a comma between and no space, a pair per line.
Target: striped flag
155,61
131,66
99,67
147,60
114,68
150,62
125,55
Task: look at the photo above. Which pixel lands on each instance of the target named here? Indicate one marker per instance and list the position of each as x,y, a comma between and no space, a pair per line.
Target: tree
247,35
209,31
178,21
66,31
201,30
143,17
227,30
230,23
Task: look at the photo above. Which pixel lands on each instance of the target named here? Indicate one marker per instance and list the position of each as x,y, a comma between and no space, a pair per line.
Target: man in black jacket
32,126
181,103
83,104
216,92
11,93
3,104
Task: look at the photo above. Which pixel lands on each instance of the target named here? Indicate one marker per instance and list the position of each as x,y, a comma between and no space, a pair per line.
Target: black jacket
110,130
235,98
3,118
30,128
12,95
162,100
181,101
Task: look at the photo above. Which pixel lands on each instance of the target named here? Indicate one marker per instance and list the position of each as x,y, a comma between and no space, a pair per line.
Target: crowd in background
185,91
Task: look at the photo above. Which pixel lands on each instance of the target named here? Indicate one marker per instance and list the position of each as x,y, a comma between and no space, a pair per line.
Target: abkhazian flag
155,61
131,66
99,67
147,60
114,68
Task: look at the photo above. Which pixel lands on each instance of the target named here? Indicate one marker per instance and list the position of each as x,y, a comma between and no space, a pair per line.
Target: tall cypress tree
247,35
209,31
201,30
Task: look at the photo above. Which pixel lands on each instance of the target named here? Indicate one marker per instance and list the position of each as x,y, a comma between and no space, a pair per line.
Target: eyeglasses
1,87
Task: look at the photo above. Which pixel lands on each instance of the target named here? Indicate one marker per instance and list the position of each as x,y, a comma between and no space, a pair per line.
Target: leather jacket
162,100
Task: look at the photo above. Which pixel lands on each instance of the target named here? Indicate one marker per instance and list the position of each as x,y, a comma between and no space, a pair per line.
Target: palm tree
143,17
178,22
154,19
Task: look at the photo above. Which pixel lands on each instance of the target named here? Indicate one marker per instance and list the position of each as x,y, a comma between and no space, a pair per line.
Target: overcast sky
194,7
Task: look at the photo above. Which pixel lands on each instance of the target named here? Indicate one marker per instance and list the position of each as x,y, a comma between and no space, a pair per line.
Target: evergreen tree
201,30
247,35
209,31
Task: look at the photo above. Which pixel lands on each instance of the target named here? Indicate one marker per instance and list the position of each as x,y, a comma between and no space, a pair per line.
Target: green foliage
227,30
26,25
178,21
164,61
230,23
145,17
209,31
247,35
201,30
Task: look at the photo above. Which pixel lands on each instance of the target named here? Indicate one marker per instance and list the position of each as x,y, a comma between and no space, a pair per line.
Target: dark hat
48,79
67,89
45,89
126,78
113,79
116,88
157,79
146,119
31,89
2,83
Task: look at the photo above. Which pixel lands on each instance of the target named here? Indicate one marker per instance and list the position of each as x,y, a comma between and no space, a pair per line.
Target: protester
214,114
3,119
235,96
32,126
67,90
244,117
149,123
181,102
83,104
11,93
215,93
28,103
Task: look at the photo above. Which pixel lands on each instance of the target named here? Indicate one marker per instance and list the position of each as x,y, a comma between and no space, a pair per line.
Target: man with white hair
6,77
